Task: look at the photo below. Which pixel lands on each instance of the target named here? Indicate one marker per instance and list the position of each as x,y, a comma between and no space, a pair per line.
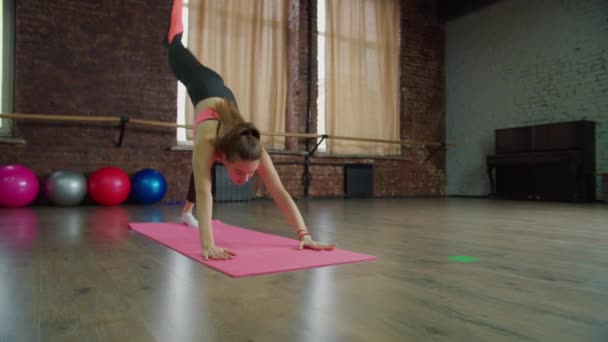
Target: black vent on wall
358,180
224,190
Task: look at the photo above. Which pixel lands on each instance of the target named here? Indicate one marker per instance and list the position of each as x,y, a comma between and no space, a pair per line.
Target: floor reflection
319,305
183,305
152,214
18,233
68,225
109,225
18,228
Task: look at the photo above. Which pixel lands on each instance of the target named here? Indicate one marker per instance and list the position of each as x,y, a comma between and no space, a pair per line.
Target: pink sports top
207,114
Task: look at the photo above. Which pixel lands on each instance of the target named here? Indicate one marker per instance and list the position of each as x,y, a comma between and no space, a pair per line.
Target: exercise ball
109,186
18,186
66,188
148,186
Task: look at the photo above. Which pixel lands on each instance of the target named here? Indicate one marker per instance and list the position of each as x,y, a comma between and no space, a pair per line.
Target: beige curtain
245,41
362,75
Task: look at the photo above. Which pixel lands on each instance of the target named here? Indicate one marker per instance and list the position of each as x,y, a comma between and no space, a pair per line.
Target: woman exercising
221,134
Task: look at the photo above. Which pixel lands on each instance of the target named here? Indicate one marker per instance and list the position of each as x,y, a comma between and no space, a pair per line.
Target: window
321,71
182,95
6,75
358,75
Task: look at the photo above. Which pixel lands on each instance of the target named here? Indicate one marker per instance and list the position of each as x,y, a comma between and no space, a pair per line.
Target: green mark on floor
462,258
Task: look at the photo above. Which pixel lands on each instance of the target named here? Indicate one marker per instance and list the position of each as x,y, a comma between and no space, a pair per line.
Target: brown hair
237,139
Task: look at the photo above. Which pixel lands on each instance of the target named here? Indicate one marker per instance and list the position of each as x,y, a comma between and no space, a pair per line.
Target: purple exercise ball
19,186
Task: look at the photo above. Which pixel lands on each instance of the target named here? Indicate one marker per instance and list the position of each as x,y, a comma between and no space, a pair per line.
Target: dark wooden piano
554,162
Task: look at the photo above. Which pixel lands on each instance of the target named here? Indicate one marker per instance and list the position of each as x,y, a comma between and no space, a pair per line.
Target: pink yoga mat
257,253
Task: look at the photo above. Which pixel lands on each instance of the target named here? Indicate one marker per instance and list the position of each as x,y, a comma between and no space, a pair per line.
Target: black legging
200,81
191,197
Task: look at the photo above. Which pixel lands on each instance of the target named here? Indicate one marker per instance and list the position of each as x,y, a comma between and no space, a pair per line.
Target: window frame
7,79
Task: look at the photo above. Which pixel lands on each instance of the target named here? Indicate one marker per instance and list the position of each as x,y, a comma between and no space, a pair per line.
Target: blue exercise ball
148,186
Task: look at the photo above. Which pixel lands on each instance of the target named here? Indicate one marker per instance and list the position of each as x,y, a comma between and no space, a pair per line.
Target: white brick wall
521,62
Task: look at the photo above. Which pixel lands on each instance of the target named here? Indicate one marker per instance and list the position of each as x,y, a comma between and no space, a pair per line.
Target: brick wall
422,80
94,58
300,49
520,63
97,58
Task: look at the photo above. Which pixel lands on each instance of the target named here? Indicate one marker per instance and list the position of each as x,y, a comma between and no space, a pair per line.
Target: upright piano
544,162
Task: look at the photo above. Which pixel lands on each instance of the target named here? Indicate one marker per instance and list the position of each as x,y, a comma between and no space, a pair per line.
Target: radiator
358,180
224,190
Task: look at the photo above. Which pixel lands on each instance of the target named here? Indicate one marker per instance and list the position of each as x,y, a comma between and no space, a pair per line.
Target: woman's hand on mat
217,253
308,242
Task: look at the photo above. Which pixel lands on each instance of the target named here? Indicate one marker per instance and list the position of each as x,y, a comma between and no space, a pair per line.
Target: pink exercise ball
19,186
109,186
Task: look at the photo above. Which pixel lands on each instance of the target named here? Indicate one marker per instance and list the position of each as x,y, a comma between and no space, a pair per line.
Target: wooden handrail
117,119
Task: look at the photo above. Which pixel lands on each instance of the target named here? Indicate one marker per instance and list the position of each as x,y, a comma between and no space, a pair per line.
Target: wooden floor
79,274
